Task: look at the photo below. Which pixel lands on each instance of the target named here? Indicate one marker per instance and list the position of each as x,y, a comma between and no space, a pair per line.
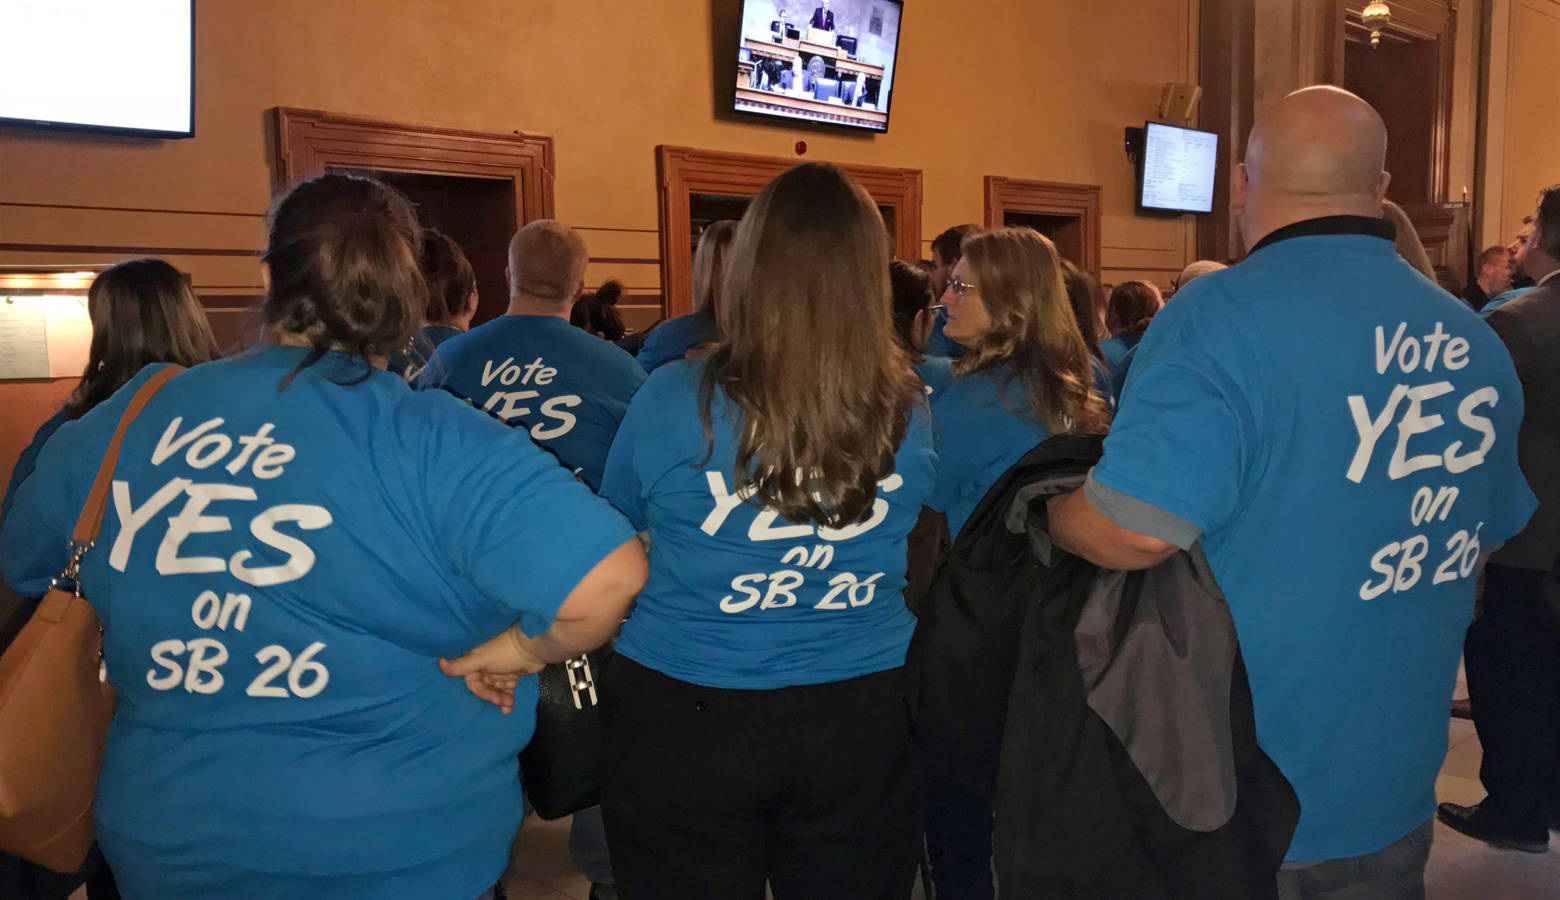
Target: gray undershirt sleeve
1144,518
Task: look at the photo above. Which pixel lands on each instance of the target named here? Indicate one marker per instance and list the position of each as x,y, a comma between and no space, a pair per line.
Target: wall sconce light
1376,16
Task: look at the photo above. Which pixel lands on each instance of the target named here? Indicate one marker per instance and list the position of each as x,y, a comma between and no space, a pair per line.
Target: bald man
1339,436
533,369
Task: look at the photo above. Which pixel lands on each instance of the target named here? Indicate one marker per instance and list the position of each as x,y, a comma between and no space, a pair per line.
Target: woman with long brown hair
1028,375
672,339
295,538
142,311
756,726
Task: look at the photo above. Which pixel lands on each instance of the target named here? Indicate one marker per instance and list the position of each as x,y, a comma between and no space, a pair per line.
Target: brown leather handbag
54,703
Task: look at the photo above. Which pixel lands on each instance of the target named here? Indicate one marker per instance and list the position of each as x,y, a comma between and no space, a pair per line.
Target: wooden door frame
309,141
682,172
1049,198
1423,22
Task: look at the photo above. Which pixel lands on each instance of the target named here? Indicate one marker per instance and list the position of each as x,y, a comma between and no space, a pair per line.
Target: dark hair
1133,304
343,255
450,278
949,245
911,290
1548,220
597,312
143,312
823,410
1088,305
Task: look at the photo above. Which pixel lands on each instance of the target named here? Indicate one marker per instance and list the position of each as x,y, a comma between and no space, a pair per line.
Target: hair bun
610,292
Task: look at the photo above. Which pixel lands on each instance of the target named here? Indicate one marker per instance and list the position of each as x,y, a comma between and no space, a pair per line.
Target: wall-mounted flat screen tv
112,65
825,61
1178,169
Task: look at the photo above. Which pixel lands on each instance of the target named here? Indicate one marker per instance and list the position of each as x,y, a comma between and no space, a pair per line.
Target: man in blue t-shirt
532,368
567,387
1340,437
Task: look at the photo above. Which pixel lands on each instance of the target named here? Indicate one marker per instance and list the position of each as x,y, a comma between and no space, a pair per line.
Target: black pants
958,841
710,793
1512,656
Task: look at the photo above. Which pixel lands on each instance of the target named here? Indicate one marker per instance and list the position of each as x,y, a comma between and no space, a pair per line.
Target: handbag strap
91,518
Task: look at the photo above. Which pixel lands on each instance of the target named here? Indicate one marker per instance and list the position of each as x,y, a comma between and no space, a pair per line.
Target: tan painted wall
1522,122
1023,88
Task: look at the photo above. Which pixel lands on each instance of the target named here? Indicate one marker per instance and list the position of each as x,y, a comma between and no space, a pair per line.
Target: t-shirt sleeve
1178,444
512,520
623,483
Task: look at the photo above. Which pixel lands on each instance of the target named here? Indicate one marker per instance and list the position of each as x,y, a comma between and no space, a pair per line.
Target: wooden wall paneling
1083,201
682,172
1444,230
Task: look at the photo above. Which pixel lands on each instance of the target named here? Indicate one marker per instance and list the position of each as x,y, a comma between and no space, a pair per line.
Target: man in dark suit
1513,648
823,18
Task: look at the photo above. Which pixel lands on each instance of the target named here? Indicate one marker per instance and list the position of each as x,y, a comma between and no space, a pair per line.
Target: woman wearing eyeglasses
1027,375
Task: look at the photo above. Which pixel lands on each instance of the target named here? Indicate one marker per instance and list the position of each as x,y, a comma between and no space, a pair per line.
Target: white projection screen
113,65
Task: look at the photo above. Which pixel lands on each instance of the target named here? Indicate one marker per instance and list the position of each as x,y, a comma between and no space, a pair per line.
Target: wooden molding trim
1082,201
682,172
309,142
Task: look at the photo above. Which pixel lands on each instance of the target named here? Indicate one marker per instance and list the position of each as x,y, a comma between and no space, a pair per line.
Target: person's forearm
566,640
1080,529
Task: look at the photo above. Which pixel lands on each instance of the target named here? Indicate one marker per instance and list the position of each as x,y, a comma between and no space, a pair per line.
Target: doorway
1068,214
477,213
701,186
475,186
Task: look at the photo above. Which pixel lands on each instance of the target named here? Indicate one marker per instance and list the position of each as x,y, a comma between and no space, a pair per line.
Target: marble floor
1460,867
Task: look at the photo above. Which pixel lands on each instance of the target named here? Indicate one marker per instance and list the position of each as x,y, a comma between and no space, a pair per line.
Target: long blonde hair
807,349
1019,275
709,264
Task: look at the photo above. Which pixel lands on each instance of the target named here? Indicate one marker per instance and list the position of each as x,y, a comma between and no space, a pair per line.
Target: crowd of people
375,526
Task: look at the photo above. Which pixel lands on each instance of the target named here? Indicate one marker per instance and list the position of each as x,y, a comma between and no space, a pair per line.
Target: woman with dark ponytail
597,313
295,538
1133,304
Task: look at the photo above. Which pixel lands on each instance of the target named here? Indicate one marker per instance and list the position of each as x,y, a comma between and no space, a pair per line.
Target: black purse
563,766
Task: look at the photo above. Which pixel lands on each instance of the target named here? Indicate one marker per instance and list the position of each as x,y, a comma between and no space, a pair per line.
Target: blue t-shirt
936,374
984,426
1501,299
739,597
940,344
568,388
1342,436
276,575
1115,349
671,340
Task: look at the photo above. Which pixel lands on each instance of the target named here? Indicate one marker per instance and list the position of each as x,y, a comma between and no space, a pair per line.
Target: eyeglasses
960,287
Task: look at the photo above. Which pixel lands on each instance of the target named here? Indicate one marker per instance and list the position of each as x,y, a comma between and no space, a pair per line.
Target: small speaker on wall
1178,103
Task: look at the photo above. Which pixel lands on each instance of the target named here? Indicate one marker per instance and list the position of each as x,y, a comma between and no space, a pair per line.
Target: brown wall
1021,88
1522,113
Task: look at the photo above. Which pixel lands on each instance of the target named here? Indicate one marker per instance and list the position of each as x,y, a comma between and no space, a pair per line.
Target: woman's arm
589,616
